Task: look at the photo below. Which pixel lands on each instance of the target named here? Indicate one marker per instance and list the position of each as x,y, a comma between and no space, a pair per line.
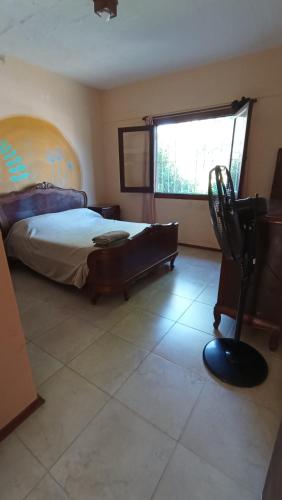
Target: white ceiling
148,37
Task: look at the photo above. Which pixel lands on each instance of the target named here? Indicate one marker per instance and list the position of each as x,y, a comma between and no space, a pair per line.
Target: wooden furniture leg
95,298
273,343
217,318
172,263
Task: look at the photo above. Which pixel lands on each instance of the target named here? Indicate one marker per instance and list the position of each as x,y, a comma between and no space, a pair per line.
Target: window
185,151
181,149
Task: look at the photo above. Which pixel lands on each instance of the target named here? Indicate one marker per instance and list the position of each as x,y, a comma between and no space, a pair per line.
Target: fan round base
235,363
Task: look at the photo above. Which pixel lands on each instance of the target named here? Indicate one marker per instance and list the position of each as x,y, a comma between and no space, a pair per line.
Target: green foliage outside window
168,178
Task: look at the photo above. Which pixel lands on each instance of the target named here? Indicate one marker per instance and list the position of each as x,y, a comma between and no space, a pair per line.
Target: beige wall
70,106
17,390
257,75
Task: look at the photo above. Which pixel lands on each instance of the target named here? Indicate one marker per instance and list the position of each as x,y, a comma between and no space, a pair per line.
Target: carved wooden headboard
39,199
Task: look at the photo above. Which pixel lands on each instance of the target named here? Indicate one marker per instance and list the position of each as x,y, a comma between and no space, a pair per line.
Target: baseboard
23,415
200,247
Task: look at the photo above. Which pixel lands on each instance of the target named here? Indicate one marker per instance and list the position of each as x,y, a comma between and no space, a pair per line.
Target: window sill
174,196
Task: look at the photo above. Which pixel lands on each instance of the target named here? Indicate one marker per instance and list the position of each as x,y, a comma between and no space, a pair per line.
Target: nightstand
107,211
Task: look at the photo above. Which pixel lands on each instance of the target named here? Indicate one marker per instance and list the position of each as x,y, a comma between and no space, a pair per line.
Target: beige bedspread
57,245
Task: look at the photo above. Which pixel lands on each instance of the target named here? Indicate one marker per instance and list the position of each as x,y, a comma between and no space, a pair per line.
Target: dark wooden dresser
107,211
264,301
273,483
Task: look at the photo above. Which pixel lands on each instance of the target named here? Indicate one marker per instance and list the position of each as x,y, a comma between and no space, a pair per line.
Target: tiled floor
131,413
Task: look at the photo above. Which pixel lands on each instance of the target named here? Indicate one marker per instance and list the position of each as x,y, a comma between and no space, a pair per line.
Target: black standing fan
234,222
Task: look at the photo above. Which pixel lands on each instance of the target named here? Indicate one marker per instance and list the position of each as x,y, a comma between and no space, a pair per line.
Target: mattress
57,245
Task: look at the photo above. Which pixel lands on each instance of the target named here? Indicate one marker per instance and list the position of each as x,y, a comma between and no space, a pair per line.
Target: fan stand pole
246,272
232,360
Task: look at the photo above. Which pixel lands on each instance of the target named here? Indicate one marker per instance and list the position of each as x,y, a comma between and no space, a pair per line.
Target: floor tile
214,278
159,302
268,394
181,262
19,470
184,346
259,339
48,489
22,278
31,287
69,338
39,318
234,435
184,285
119,457
25,301
152,282
210,275
163,393
106,313
67,296
70,403
209,295
43,365
45,289
108,362
200,317
202,258
142,328
33,284
188,477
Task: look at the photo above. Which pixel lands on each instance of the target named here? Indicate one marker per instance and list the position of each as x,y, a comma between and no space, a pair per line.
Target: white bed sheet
57,245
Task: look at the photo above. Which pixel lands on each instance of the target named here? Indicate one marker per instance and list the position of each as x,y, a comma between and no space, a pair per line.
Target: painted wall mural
33,150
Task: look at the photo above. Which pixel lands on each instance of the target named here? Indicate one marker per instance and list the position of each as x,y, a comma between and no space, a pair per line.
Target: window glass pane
187,151
238,146
136,147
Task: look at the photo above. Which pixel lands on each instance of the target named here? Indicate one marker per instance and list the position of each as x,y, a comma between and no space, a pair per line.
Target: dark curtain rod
233,106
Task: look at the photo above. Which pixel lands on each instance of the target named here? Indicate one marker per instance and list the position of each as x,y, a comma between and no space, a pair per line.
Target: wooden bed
111,269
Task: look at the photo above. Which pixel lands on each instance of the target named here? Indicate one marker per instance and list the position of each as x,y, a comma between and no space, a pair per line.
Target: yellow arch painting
33,150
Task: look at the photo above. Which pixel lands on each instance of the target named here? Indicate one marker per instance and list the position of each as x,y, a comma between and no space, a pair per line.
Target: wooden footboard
114,269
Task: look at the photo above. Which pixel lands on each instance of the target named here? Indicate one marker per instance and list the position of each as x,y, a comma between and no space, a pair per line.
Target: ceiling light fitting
106,8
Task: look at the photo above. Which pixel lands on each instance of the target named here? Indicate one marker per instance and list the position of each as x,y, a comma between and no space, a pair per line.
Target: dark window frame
242,104
133,189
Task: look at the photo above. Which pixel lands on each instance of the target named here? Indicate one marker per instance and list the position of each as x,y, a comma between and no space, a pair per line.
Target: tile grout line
76,437
205,459
72,359
66,364
35,486
151,351
191,412
33,454
177,443
164,471
141,417
31,339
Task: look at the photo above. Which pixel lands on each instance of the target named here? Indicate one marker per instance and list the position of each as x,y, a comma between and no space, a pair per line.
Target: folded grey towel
110,238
